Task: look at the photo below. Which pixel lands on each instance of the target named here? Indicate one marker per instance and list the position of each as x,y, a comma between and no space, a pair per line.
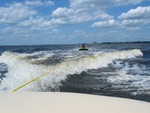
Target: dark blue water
120,70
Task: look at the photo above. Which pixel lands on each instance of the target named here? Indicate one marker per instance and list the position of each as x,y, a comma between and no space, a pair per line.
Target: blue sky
33,22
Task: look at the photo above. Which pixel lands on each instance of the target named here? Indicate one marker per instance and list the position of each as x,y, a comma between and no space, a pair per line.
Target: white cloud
136,18
109,23
77,15
88,3
62,12
17,11
135,22
14,13
102,3
138,13
133,28
14,31
86,10
37,23
60,21
39,3
55,30
127,2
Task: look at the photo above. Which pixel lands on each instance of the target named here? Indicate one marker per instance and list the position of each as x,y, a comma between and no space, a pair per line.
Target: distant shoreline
80,43
121,42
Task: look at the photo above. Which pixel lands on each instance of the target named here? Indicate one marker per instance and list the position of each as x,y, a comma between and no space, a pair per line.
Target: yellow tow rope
35,79
57,66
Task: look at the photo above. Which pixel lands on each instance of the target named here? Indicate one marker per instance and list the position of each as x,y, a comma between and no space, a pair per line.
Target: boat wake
25,67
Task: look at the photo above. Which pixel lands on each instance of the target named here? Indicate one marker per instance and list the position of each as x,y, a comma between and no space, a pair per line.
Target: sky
37,22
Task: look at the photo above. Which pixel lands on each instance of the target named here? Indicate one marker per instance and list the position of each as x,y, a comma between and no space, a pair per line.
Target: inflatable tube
46,102
83,49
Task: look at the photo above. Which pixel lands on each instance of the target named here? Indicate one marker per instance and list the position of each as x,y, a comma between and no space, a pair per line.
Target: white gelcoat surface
39,102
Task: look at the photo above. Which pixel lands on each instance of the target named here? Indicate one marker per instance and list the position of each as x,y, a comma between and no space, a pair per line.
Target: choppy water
121,70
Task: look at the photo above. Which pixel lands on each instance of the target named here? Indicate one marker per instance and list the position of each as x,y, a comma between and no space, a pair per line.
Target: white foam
22,70
136,78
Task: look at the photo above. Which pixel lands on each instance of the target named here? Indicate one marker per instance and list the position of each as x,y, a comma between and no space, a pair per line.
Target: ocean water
120,70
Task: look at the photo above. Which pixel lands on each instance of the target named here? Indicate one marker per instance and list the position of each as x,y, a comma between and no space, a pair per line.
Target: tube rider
83,46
